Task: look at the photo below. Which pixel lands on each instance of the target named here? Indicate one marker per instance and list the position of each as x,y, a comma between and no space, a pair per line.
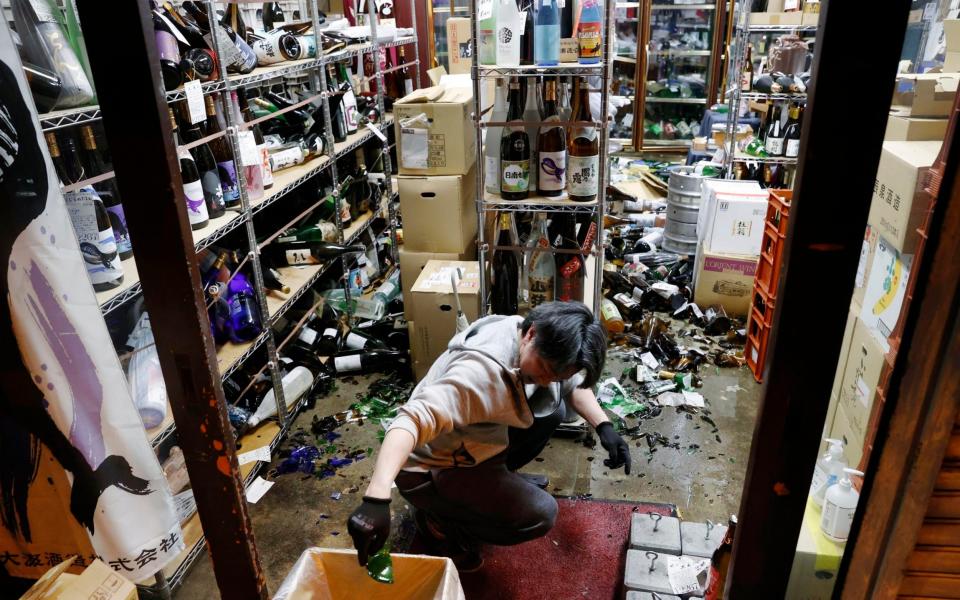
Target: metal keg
683,209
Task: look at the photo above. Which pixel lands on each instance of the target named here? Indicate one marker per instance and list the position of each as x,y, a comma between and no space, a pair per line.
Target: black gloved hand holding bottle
615,445
369,526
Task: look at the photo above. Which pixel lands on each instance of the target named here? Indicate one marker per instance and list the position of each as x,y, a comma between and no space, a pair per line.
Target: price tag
249,155
261,454
257,489
484,9
195,104
376,131
684,572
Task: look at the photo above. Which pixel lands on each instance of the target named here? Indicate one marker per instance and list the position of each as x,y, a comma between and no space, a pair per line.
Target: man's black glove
369,526
615,445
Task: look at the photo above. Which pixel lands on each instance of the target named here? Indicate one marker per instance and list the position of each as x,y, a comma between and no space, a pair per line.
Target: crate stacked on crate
767,282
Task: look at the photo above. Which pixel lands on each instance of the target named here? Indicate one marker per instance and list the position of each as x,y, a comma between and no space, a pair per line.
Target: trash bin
329,574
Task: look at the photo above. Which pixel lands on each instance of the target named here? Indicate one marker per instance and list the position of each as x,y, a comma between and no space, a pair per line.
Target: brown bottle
720,563
583,149
551,146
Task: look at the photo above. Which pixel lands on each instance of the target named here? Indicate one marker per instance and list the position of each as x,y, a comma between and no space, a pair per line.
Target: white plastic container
828,471
839,506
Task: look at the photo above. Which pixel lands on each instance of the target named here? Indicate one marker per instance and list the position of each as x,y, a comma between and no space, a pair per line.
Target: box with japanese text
900,176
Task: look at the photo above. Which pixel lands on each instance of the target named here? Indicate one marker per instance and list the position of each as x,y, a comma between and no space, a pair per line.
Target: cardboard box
569,50
915,129
852,440
439,212
899,177
411,263
460,44
433,308
852,314
817,561
927,94
98,581
884,291
867,250
776,18
858,388
709,190
737,224
725,280
435,134
951,62
951,34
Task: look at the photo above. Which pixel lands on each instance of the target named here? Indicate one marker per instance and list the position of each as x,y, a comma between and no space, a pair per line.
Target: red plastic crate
762,304
755,350
778,209
771,258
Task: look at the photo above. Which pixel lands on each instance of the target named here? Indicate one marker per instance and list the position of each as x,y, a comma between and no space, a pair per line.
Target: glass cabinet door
680,48
623,85
438,13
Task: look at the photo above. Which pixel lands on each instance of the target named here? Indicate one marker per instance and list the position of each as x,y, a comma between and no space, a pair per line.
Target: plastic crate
778,210
762,304
755,350
771,258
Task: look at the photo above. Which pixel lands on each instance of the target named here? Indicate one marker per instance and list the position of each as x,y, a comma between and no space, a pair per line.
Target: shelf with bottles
659,100
354,140
562,203
740,157
760,96
67,117
231,354
680,52
287,180
808,29
564,68
363,48
111,299
680,6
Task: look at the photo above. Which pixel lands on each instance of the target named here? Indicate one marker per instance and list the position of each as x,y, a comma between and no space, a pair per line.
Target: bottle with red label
590,33
571,269
720,563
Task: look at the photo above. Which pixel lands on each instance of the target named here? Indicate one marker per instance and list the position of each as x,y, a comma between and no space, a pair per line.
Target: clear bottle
509,30
571,269
252,171
515,150
487,32
547,33
551,146
296,382
540,270
266,171
491,143
610,316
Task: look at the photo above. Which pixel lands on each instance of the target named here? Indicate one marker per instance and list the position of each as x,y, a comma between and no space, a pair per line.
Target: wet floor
703,475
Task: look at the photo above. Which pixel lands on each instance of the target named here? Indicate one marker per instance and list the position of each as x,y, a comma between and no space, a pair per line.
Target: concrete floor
703,478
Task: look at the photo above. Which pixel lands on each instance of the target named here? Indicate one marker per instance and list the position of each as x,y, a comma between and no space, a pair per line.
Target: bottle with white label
280,254
491,143
192,186
357,339
583,148
532,114
791,135
774,140
510,24
356,362
551,146
839,507
295,384
515,150
828,470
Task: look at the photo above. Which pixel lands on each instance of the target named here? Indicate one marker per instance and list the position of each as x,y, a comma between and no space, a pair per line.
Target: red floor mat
582,557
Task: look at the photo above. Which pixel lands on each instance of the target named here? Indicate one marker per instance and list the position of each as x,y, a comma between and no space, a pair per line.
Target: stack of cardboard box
436,148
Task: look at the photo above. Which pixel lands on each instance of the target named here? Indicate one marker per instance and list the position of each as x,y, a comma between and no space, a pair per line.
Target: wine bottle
192,188
337,120
305,253
358,339
540,270
547,33
746,78
406,82
233,18
527,41
276,46
226,168
571,269
532,114
236,54
272,16
186,25
265,168
321,231
551,146
216,273
329,341
245,323
89,217
583,150
45,86
218,312
357,362
505,268
791,134
774,141
349,99
720,563
168,52
272,280
590,34
209,172
491,143
514,150
108,192
487,32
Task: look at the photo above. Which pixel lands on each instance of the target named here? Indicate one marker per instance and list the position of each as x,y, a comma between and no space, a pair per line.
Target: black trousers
489,502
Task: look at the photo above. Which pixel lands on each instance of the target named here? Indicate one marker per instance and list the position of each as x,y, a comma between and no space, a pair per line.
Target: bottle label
118,221
328,231
229,52
355,342
793,148
196,205
228,183
584,133
212,192
491,172
99,247
541,289
774,146
627,302
582,175
552,174
267,51
589,38
330,333
388,289
516,175
308,336
286,158
350,110
347,364
818,481
265,165
167,46
300,256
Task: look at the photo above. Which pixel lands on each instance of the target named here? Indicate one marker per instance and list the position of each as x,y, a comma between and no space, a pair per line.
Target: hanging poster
75,462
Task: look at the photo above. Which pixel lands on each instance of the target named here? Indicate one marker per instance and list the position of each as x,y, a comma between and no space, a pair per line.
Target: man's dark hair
569,336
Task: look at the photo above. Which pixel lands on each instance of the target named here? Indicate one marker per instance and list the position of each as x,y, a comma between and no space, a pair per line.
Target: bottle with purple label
226,168
168,50
107,191
192,187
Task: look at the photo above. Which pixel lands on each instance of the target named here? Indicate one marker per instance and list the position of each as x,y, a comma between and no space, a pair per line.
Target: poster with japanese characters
77,474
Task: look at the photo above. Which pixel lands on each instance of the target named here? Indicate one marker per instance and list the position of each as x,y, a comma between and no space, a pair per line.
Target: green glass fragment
380,566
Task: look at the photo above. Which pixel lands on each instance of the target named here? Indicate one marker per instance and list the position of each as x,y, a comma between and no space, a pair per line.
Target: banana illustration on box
891,282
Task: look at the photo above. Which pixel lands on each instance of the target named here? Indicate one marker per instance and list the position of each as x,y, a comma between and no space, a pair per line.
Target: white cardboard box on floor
737,224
